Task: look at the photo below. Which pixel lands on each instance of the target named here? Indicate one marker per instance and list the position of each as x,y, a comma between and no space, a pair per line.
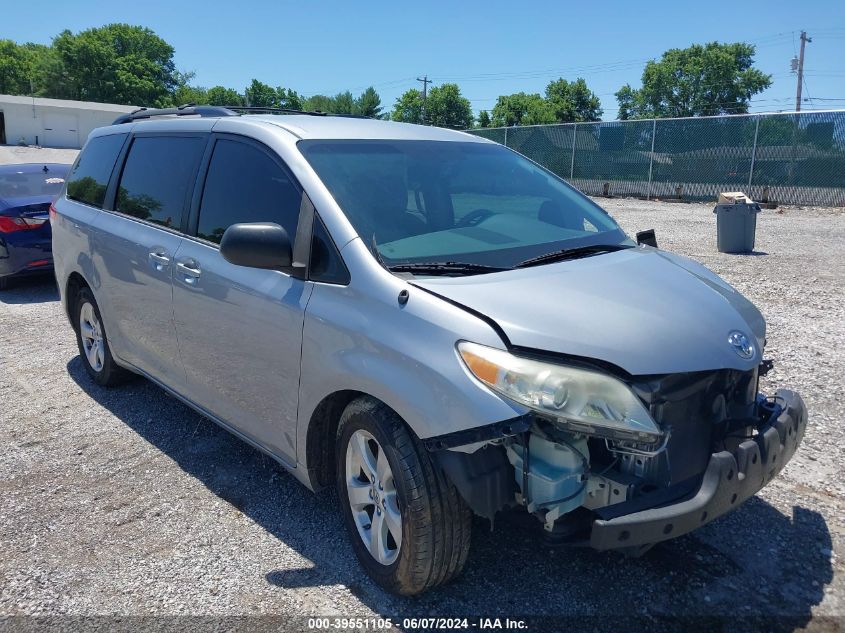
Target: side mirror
257,245
647,237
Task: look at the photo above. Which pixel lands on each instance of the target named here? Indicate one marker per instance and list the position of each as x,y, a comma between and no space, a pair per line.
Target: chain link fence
791,158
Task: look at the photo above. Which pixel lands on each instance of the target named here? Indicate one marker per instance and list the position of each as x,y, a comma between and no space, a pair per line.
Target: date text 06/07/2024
432,623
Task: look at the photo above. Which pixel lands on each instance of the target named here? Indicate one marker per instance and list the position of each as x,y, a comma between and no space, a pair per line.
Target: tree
565,102
189,94
369,104
629,106
318,103
52,78
522,109
484,119
696,81
573,102
260,95
446,107
18,67
220,96
288,98
343,103
116,63
186,93
408,107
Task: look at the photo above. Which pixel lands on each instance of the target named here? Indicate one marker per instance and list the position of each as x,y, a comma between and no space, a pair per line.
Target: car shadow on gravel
35,289
754,563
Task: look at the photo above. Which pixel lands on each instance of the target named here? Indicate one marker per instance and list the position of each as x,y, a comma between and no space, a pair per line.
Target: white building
53,122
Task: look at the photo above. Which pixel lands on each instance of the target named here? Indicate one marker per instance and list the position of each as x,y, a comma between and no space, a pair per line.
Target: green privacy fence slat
494,134
791,158
613,152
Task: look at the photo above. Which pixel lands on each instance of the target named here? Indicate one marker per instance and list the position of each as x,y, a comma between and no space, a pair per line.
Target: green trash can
736,226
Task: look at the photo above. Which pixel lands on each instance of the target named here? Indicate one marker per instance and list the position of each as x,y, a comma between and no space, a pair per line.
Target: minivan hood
645,310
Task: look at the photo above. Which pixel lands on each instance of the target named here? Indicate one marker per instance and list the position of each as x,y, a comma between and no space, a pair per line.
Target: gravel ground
125,502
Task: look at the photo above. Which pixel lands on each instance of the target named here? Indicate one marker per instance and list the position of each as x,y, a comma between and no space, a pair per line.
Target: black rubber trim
184,110
659,498
505,428
730,479
491,322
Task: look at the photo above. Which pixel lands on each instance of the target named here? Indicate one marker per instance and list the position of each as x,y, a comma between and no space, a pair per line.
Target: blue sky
488,48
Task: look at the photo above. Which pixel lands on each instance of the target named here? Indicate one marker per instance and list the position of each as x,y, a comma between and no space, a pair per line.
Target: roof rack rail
260,110
189,109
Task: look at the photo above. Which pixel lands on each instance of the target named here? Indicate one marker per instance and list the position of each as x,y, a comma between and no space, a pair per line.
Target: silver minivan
426,320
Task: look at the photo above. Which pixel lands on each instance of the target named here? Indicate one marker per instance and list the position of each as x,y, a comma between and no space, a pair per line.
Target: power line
529,74
777,38
384,84
808,98
772,39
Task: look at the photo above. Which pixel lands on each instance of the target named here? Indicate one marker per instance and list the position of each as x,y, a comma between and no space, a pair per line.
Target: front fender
361,338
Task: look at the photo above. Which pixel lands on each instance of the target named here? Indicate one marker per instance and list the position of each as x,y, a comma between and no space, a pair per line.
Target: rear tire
93,344
405,486
4,283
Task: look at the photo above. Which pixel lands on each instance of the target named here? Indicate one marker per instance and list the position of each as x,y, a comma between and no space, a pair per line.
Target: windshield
466,202
23,184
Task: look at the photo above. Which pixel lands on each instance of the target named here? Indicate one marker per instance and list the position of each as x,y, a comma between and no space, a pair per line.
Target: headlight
583,401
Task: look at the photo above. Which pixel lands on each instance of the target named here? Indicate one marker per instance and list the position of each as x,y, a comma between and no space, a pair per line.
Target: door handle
190,270
159,259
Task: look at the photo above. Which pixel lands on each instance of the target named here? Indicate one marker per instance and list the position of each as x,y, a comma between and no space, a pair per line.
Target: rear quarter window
89,178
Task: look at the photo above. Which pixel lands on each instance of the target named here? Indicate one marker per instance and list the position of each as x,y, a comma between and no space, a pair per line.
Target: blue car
26,192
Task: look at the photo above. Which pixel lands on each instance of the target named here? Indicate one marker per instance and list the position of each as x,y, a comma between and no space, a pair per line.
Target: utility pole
425,81
804,40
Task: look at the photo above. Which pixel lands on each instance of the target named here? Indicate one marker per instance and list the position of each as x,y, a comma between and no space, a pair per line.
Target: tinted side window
158,174
326,263
245,185
89,178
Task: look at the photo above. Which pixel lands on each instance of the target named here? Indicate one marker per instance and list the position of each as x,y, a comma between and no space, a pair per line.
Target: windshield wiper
572,253
376,253
444,268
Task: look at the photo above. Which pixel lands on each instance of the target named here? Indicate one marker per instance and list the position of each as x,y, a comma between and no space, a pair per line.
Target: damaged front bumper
731,478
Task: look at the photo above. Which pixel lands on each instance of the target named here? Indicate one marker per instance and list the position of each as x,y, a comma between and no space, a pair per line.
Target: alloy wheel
92,337
372,497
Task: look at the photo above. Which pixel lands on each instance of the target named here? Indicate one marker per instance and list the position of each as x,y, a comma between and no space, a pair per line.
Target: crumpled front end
750,459
721,442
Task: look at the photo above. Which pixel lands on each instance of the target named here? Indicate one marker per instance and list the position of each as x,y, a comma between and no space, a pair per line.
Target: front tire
408,525
93,344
